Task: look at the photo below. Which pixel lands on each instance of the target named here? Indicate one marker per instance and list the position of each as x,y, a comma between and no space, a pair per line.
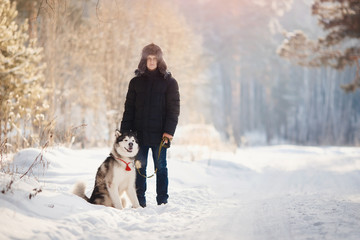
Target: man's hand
168,136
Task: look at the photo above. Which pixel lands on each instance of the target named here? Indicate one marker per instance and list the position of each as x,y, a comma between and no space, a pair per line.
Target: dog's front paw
136,205
119,206
137,164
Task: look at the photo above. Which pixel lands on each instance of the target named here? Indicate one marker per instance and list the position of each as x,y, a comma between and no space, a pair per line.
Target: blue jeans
161,175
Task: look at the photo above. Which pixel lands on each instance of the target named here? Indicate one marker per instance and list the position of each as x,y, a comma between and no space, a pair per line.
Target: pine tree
21,74
340,19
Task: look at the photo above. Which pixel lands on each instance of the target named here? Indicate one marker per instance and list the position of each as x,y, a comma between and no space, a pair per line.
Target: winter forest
259,72
267,144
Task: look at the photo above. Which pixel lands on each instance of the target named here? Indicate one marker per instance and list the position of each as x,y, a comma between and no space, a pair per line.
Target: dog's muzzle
130,148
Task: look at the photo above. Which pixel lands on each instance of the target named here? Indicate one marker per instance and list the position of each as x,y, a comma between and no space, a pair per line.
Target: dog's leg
114,195
131,192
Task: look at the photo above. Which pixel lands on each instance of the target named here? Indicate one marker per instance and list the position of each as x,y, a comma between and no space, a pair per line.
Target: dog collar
127,163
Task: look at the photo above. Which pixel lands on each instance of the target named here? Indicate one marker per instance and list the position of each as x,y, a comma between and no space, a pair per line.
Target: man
152,108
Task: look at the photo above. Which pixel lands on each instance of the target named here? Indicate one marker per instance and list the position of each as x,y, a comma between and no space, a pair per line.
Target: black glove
164,143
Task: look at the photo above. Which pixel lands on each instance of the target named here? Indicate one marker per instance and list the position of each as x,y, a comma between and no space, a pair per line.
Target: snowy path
282,200
280,192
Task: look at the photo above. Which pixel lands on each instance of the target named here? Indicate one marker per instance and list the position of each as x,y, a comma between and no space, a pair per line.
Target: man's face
151,62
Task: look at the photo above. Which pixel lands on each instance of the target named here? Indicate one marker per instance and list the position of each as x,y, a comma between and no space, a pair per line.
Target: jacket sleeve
172,107
127,122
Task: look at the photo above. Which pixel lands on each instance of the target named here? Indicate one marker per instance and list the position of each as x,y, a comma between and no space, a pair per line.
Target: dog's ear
117,133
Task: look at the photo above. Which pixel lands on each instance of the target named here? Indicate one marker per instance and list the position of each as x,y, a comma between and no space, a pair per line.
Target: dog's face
126,144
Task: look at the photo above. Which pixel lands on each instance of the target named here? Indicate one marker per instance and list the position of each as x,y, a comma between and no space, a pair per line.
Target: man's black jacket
152,107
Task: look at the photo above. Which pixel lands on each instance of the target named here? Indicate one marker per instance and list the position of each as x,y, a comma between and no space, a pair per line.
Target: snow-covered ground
276,192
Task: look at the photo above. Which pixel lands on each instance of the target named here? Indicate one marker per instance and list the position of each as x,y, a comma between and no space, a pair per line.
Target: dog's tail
79,190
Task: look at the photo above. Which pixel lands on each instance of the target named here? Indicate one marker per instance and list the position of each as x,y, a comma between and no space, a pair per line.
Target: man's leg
140,180
162,181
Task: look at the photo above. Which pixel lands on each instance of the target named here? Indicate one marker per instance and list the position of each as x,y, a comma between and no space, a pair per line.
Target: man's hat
152,49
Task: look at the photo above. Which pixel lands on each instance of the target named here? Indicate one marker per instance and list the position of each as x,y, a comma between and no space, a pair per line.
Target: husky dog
115,175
